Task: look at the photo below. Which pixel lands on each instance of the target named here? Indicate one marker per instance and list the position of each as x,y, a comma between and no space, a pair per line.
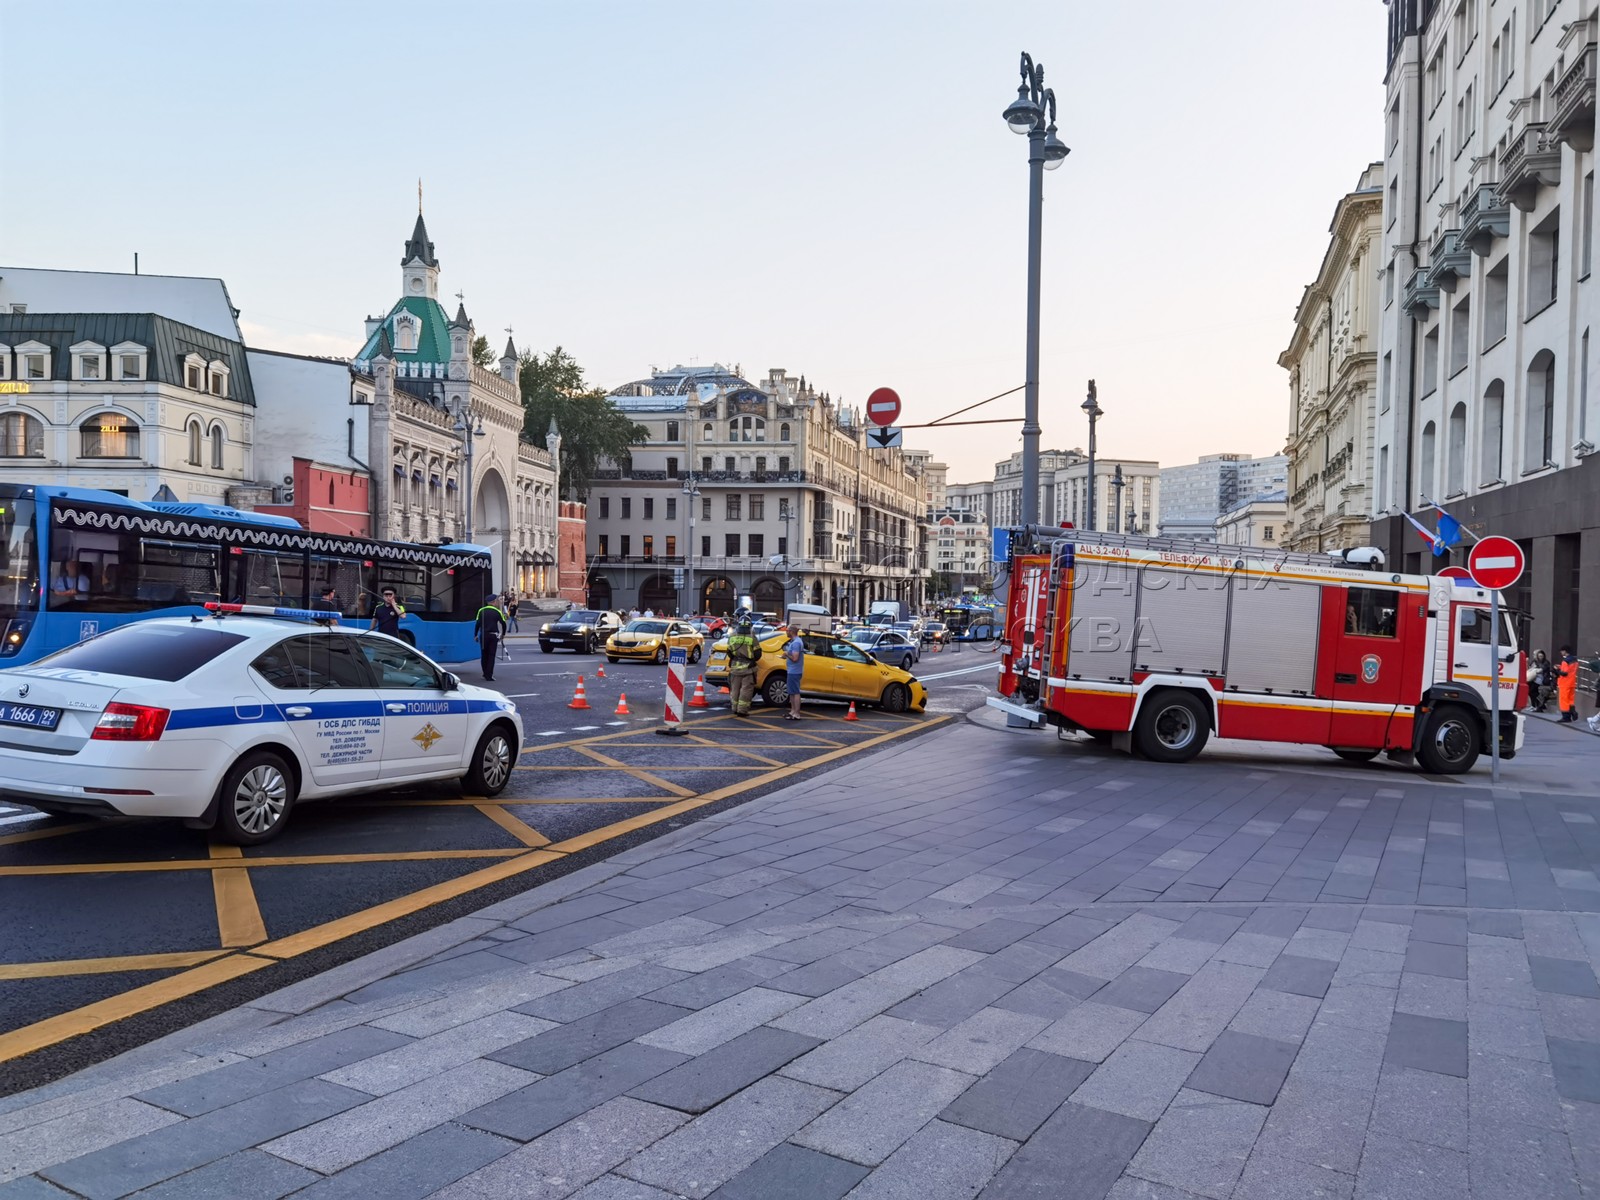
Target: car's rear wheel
776,690
257,793
896,698
491,762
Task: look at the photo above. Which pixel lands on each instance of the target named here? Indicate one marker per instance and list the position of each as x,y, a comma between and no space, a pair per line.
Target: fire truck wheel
1449,741
1357,755
1172,727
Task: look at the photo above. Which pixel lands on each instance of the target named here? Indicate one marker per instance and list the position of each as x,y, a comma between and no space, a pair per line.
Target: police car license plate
30,715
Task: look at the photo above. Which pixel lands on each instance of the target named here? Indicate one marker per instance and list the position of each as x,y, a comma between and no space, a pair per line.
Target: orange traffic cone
851,715
579,700
600,671
698,700
622,706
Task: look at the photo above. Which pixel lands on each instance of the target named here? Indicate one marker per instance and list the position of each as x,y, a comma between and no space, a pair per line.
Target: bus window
349,577
19,556
262,577
409,584
161,574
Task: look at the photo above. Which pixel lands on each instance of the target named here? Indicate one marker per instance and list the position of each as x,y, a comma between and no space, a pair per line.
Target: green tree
592,428
482,356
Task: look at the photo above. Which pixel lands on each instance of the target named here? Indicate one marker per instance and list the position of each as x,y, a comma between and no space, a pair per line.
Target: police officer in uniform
490,628
386,617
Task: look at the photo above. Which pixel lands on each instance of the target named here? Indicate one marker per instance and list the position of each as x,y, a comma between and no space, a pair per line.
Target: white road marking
550,733
583,728
29,816
609,723
962,671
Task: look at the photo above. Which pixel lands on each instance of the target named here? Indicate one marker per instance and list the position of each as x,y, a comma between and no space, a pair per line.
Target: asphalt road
148,918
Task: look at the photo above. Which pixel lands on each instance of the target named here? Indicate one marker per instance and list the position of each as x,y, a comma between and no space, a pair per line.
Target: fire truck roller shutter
1182,621
1104,599
1273,641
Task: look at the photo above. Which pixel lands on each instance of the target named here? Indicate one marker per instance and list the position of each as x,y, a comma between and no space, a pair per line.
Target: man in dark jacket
490,628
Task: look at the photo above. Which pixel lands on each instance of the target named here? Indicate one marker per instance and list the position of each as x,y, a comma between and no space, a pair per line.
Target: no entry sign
1496,563
883,406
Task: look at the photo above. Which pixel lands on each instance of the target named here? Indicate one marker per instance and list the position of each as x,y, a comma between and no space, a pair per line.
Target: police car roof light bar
264,610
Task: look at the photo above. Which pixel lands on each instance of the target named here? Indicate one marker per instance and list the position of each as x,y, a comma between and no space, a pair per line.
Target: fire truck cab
1156,644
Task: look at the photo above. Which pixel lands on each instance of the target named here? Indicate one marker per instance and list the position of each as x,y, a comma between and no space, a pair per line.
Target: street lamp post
691,496
1117,484
1033,113
1091,406
464,428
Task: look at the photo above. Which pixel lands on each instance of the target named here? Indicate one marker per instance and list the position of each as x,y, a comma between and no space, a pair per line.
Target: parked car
834,670
649,638
229,723
935,632
888,645
584,630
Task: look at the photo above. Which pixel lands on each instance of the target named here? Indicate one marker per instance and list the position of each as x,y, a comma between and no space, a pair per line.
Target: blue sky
826,187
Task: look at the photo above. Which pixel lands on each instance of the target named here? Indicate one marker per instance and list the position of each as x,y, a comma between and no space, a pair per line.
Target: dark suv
582,629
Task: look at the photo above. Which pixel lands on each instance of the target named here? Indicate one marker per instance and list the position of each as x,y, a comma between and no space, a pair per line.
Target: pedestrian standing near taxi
794,662
743,653
1567,686
386,617
490,628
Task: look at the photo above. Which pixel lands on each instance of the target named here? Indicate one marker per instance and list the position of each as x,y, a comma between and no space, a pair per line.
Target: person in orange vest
1567,686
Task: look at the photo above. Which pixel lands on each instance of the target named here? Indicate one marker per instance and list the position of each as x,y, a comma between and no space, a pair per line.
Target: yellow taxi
649,638
834,670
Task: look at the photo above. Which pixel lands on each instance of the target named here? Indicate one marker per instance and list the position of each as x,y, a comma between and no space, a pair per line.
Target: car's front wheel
660,655
491,762
895,698
257,793
547,648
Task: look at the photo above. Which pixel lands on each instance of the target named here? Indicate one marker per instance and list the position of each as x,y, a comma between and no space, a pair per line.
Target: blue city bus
970,622
76,561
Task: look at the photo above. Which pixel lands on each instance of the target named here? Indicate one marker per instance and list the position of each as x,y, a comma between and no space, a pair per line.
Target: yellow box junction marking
239,920
209,968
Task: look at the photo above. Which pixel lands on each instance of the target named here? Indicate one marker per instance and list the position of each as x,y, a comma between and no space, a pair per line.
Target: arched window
1538,435
194,443
109,435
1492,446
1426,484
218,440
23,436
405,334
783,432
330,493
1455,468
711,432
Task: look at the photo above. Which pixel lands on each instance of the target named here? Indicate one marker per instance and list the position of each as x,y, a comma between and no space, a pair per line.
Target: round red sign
1496,563
883,406
1455,573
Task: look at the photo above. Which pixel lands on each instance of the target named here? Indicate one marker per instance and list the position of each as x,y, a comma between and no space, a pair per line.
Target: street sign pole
1494,689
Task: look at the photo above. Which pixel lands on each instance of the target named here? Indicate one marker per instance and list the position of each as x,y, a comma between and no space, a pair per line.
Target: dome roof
667,388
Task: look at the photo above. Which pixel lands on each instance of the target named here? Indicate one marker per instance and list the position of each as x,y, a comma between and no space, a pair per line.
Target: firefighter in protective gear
743,654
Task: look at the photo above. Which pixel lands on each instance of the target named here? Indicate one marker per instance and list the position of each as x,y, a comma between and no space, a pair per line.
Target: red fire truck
1155,644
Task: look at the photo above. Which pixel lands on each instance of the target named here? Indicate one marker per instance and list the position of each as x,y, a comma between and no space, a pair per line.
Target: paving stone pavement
980,964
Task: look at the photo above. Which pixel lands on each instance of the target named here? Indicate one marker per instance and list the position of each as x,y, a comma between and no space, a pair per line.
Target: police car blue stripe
321,710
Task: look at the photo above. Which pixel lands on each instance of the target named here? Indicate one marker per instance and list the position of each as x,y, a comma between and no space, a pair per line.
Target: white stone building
428,403
1332,360
1485,401
767,491
1257,522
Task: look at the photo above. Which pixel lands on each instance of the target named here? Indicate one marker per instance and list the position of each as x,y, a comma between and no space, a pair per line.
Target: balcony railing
1449,260
1572,120
1531,161
1484,217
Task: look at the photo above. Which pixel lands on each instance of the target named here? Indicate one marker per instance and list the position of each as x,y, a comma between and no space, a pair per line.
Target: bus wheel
1356,755
257,794
1449,741
1172,727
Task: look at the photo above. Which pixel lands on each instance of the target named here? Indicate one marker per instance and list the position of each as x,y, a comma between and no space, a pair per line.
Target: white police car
227,721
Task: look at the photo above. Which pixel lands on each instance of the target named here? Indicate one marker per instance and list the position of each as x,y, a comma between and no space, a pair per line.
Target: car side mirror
449,682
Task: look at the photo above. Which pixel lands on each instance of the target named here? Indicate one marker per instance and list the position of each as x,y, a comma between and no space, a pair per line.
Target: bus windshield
19,581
